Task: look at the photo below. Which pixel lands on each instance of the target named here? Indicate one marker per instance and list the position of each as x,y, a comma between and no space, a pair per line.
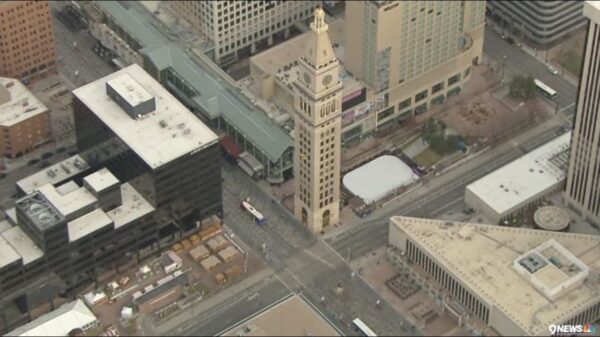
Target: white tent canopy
92,298
378,178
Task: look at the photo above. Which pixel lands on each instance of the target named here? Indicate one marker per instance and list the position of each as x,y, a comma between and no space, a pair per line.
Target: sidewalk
475,160
185,315
566,75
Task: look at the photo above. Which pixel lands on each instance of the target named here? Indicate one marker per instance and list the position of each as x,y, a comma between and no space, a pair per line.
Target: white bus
258,217
362,328
544,89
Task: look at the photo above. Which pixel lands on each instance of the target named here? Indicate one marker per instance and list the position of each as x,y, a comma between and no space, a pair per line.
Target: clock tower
317,131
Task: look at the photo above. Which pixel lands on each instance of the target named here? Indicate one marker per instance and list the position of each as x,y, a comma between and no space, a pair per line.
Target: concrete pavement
176,323
439,195
519,61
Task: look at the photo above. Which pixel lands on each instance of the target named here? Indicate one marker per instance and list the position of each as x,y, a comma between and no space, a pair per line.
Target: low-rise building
60,322
292,316
522,182
24,120
515,281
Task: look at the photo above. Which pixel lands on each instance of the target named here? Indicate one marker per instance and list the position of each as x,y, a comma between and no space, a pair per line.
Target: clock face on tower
306,78
327,79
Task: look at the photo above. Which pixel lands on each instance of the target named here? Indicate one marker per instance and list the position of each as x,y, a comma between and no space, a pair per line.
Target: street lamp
503,66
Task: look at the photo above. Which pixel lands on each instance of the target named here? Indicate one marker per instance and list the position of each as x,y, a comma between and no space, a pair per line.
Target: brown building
24,120
26,40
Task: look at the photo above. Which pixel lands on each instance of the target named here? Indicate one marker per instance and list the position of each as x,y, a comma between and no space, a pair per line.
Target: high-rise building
24,120
148,170
318,106
26,40
583,178
413,53
239,27
541,22
131,124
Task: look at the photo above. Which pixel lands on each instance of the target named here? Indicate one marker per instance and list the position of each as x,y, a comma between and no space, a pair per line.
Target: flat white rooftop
159,137
130,90
378,178
21,104
101,180
59,322
87,224
4,226
68,203
8,254
133,207
517,182
591,9
54,174
23,245
291,317
482,257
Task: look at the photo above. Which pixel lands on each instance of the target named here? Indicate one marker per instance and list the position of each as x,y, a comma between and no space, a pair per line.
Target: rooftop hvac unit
34,208
45,217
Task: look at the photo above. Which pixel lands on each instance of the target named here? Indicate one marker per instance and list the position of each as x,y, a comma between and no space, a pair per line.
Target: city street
77,62
306,265
372,233
517,61
228,313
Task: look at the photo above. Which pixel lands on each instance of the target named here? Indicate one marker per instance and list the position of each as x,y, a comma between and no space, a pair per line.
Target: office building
64,235
582,193
521,183
514,281
129,123
26,40
412,54
540,22
243,126
240,27
318,124
24,120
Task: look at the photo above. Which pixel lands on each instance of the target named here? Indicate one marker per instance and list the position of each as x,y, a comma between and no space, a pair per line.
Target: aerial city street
288,168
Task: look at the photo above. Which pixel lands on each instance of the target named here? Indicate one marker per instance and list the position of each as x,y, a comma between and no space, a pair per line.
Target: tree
429,129
522,87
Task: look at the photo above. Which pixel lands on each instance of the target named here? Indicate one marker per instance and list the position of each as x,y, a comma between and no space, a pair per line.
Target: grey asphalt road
518,61
373,233
79,58
304,263
235,309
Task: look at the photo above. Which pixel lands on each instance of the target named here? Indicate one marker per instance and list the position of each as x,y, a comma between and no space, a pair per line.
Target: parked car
61,149
552,70
2,175
33,161
47,155
44,164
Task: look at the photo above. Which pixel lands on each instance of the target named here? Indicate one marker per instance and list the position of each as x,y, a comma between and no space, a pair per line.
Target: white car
552,70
